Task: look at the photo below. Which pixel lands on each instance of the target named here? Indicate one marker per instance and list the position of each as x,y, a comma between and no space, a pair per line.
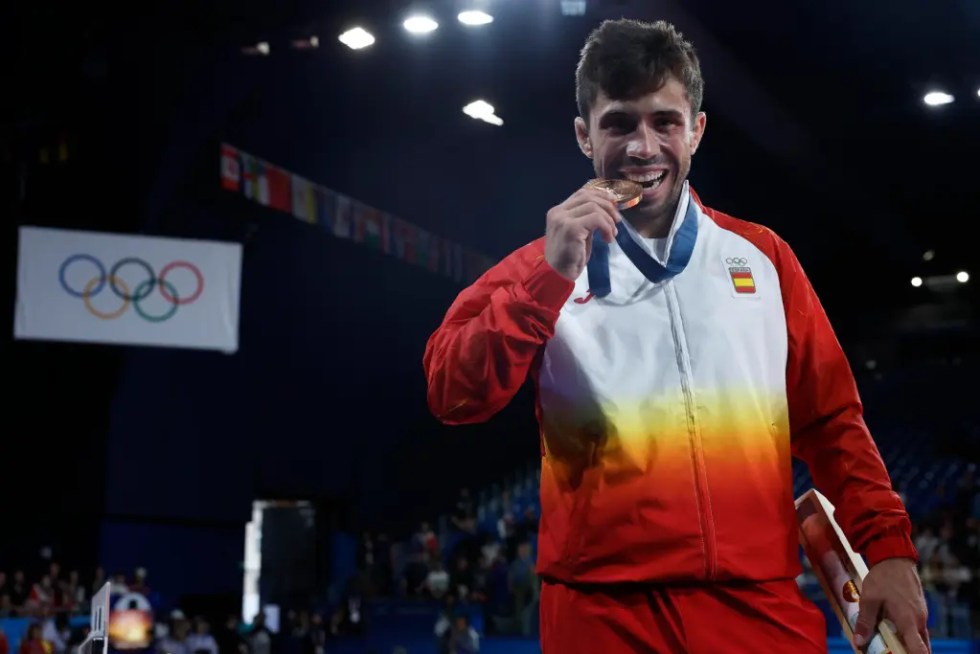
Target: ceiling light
420,24
306,44
936,98
475,17
260,48
482,110
356,38
962,277
917,282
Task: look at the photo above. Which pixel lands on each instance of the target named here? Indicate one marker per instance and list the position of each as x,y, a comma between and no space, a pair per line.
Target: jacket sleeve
480,355
828,428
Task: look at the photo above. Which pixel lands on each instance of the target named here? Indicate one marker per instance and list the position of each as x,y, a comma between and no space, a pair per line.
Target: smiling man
680,358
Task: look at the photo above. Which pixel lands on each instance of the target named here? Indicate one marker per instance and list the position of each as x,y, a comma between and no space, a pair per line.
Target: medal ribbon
681,248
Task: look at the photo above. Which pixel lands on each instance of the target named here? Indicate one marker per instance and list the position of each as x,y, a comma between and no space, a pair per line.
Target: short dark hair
626,58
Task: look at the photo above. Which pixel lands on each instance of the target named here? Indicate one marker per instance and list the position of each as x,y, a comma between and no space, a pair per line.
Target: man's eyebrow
623,112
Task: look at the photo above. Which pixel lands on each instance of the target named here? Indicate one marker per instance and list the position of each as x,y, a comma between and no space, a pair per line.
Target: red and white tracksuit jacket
669,412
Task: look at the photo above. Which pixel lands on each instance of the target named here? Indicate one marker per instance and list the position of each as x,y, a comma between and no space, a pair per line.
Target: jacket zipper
705,515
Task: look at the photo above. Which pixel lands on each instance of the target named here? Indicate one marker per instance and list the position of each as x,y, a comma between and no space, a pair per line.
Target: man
671,400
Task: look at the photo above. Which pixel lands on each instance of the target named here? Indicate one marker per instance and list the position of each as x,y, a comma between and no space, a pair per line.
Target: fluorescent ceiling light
936,98
482,110
356,38
475,17
420,24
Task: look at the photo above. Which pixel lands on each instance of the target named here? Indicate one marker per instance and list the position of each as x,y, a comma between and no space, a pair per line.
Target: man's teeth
649,180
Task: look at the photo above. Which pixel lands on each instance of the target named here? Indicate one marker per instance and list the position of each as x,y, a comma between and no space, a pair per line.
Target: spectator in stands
465,509
444,623
461,579
315,641
57,631
19,591
119,585
138,584
200,640
347,620
522,583
426,540
415,574
463,638
437,581
260,637
175,640
927,543
42,597
229,638
74,592
33,643
54,572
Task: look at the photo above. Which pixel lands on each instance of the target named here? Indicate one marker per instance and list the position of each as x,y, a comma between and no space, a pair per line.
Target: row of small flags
345,217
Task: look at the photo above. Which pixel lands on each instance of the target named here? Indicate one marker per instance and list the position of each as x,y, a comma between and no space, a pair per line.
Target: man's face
649,139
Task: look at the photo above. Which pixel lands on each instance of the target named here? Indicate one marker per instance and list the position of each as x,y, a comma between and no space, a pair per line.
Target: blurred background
295,496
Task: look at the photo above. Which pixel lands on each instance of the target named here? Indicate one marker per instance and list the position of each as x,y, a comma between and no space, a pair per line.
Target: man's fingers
599,203
868,612
596,205
914,643
602,222
600,196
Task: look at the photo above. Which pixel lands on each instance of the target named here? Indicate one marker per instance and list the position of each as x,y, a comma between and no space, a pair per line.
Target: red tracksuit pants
729,618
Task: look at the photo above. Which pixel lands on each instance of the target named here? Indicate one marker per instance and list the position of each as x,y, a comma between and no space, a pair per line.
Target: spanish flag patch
742,279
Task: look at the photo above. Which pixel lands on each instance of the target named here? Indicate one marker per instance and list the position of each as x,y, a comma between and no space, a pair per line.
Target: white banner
130,290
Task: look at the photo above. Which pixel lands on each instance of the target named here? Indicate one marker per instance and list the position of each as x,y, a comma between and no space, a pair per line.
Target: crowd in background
478,565
482,562
483,559
948,541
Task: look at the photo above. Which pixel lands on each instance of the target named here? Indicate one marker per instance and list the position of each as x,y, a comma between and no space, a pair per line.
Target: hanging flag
256,184
403,236
397,239
280,188
326,207
304,202
128,290
375,225
231,174
410,234
343,219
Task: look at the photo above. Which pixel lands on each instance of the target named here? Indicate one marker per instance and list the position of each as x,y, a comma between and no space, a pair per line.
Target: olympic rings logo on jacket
119,287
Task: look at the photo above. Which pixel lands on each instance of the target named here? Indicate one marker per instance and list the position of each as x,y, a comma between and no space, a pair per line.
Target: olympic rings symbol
736,261
119,287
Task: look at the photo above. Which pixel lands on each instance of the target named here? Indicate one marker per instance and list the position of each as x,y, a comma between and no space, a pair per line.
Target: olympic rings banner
128,290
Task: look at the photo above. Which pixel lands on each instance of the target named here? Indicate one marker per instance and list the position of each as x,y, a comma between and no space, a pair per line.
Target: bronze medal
625,193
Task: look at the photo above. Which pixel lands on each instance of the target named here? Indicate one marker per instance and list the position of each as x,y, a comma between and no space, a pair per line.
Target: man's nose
644,143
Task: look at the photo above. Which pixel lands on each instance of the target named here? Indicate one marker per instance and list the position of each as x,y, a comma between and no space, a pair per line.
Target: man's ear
582,136
700,122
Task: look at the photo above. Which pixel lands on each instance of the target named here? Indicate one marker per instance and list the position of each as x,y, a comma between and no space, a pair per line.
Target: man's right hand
570,225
